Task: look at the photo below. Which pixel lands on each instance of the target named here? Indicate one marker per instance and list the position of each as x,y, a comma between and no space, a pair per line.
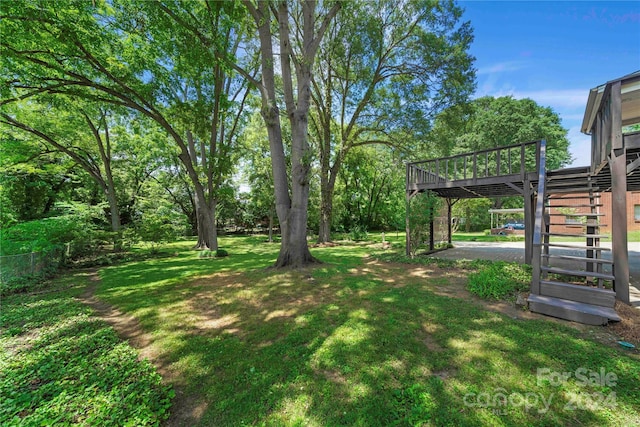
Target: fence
30,264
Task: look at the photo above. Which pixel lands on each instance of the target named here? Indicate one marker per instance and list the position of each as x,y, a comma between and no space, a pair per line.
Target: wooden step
586,214
553,176
578,293
579,248
584,186
588,236
571,310
578,258
590,205
594,196
578,273
569,190
575,225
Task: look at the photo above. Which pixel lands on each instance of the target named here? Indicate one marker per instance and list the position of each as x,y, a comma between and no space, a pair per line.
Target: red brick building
573,224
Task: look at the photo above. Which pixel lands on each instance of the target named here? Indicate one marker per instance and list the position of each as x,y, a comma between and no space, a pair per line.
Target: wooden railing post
522,158
475,167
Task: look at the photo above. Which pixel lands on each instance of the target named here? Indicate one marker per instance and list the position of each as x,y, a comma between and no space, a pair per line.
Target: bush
358,233
500,280
220,253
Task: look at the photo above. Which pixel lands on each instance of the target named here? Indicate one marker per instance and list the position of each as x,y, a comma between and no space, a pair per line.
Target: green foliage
76,226
60,366
370,190
490,122
500,280
358,233
23,283
474,213
220,253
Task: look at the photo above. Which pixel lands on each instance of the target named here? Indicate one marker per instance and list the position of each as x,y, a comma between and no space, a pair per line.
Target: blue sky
554,52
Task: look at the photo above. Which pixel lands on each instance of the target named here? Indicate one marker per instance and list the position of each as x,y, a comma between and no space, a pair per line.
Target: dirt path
185,409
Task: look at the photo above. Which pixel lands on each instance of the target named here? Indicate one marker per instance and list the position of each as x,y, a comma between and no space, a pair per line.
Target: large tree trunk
205,212
113,209
291,208
294,251
324,232
206,223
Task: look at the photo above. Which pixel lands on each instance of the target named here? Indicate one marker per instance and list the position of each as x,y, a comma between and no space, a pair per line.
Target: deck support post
407,226
529,221
619,239
618,166
432,245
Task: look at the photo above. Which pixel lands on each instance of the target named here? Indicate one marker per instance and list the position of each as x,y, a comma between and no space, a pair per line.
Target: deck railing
517,159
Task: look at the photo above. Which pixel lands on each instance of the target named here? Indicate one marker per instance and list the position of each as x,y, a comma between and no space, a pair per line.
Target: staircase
575,285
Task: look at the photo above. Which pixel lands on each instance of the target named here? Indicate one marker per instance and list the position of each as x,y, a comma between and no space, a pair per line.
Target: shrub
221,253
358,233
500,280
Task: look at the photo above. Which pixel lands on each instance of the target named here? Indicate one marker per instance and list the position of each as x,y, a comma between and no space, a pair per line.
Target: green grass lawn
359,341
355,342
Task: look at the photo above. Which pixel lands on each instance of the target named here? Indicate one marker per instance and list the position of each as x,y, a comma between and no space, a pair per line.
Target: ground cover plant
359,341
59,365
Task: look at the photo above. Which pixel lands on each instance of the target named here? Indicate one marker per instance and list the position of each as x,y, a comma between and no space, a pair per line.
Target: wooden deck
502,171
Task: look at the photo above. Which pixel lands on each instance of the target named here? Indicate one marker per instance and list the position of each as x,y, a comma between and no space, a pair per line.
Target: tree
300,29
490,122
383,74
370,190
141,56
80,132
421,211
32,179
258,172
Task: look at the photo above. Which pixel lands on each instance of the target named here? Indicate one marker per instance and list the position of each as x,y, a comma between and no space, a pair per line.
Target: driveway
514,251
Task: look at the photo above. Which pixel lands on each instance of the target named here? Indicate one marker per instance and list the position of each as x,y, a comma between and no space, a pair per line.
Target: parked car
514,226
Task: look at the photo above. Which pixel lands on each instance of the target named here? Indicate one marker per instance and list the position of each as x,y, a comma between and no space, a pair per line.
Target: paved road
514,251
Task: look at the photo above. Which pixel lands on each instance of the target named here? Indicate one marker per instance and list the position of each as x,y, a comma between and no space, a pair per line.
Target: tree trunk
113,208
290,207
207,229
205,212
294,250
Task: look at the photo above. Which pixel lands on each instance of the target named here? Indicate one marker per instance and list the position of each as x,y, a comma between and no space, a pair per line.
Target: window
636,212
573,220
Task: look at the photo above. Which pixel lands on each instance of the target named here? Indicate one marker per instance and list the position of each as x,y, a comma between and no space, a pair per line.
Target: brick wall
633,199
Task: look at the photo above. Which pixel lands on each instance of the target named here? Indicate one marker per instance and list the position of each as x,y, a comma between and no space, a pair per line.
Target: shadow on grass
353,343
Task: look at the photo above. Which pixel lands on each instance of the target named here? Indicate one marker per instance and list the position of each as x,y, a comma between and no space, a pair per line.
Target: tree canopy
152,110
